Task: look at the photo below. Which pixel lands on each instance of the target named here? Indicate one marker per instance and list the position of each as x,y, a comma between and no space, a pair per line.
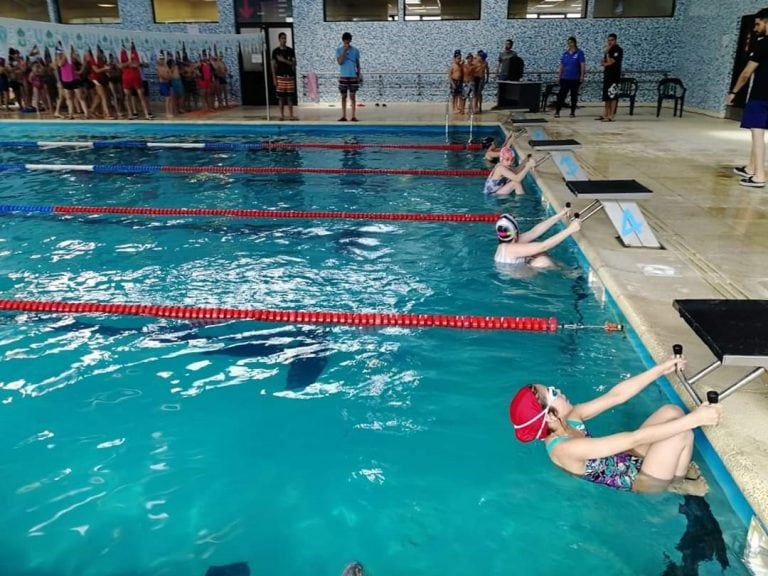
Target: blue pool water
154,447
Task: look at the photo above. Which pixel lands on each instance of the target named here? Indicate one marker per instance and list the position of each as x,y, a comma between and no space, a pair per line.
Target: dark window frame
674,12
441,19
44,6
156,21
118,20
393,18
560,16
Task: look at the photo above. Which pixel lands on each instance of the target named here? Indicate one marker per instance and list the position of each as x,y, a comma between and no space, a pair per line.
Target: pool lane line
238,213
218,146
156,168
466,322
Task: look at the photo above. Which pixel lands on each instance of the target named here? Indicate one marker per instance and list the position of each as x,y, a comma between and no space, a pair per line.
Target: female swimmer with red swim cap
654,458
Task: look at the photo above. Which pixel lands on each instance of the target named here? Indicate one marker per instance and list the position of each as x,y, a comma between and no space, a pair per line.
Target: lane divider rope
154,168
230,145
528,324
237,213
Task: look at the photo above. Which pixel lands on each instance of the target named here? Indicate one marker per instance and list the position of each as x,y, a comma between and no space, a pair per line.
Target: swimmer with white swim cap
518,248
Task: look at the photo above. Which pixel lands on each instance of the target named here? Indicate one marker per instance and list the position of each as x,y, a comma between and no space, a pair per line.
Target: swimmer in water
518,248
656,457
503,180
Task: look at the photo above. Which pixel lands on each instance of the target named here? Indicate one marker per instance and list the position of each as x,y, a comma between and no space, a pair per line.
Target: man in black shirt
755,116
612,59
284,75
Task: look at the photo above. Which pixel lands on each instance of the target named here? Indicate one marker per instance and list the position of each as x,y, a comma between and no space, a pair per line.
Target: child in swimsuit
519,248
503,180
654,458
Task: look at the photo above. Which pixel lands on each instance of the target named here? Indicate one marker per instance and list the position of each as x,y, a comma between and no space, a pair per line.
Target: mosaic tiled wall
706,67
407,61
408,46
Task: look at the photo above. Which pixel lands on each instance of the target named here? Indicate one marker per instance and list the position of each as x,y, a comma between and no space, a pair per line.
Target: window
634,8
442,9
360,10
25,10
167,11
263,11
532,9
88,11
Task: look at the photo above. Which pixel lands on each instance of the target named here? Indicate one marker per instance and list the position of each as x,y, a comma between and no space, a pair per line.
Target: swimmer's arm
540,228
515,176
534,248
580,449
624,390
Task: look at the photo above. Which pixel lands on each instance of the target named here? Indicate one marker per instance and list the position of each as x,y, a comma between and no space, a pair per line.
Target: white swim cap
507,229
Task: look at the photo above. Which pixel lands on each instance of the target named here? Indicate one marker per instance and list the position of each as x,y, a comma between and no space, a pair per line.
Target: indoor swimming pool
156,447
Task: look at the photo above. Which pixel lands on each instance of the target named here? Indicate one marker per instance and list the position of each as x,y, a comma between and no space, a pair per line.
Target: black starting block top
734,330
608,189
517,120
567,144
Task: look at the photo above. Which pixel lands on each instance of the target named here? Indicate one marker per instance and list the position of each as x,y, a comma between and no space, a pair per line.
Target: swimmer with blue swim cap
519,248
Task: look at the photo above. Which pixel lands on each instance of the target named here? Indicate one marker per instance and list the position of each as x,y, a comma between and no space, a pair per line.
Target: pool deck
715,235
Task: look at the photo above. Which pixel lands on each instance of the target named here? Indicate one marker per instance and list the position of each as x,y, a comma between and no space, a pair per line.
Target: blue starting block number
568,166
629,225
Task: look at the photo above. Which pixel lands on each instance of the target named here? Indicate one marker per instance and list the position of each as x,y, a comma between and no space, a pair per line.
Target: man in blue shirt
348,59
755,116
571,74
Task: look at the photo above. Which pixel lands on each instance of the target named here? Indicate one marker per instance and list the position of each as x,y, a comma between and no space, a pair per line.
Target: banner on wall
40,39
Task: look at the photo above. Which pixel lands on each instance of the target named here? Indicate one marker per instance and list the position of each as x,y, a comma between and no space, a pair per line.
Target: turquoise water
153,447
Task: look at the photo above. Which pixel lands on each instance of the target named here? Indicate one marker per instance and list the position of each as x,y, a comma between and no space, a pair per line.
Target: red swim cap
527,416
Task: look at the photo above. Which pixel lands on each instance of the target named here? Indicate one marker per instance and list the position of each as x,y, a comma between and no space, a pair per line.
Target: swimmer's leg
541,261
665,463
509,188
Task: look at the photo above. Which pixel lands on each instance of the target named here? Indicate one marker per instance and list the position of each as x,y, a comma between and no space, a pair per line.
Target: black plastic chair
628,89
671,89
551,90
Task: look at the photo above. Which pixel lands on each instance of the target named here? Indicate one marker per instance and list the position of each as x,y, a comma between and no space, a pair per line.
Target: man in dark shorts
755,116
284,75
612,59
348,59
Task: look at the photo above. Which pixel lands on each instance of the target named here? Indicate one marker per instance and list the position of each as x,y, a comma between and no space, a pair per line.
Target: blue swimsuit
618,471
492,186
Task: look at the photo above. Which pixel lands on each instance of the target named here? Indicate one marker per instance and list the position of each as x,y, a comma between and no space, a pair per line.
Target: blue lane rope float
142,168
144,144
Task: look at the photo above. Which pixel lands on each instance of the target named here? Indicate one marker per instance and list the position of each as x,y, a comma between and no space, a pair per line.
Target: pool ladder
471,104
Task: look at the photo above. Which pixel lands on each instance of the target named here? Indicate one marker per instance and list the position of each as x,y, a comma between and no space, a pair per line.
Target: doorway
257,86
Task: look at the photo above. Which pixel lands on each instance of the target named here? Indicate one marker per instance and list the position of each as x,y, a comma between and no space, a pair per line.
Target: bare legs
666,463
756,165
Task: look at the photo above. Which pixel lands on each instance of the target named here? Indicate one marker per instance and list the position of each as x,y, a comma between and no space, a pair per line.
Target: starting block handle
677,350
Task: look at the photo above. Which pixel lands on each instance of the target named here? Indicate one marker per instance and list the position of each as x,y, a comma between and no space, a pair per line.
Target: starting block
567,144
617,198
734,330
524,121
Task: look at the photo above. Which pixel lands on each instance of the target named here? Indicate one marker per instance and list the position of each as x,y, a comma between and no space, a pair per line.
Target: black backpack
516,68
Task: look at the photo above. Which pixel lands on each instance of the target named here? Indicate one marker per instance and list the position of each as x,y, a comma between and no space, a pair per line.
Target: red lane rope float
289,316
234,213
296,170
448,147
